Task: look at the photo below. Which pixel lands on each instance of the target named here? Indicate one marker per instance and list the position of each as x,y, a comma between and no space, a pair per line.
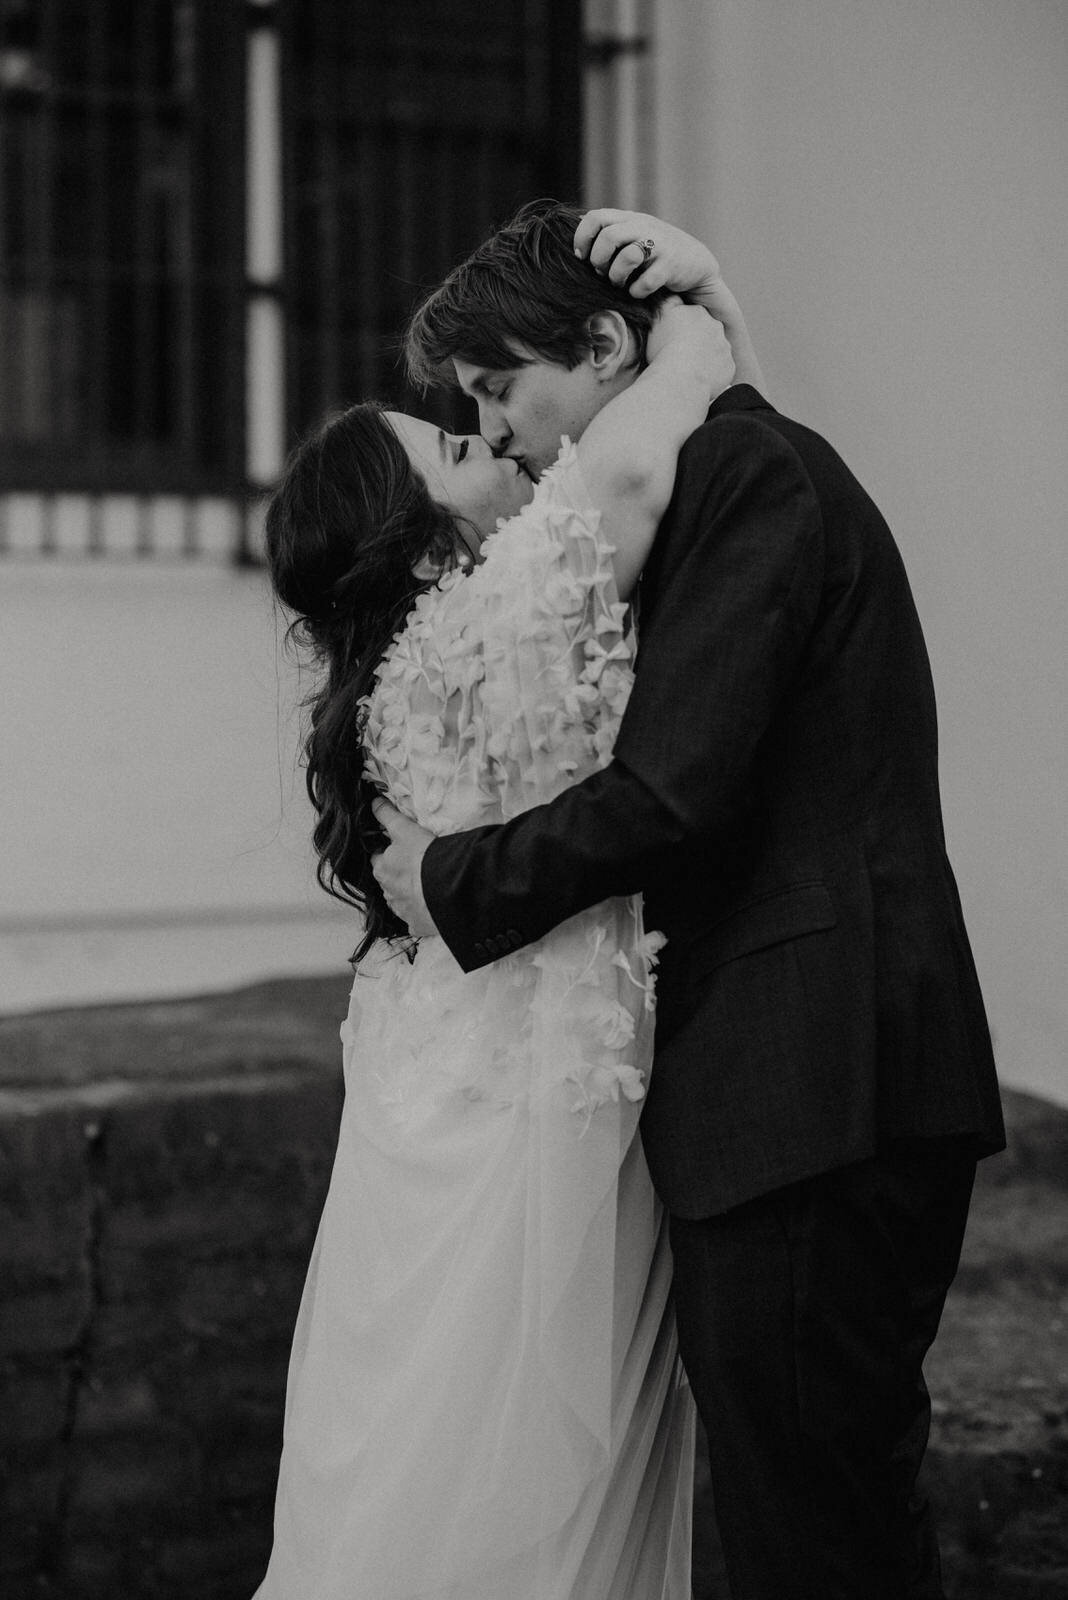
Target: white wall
154,833
886,184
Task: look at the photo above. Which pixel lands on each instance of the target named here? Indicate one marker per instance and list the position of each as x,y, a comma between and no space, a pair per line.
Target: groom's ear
612,345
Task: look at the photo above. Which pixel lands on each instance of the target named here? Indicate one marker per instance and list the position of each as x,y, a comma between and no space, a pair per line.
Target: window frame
203,451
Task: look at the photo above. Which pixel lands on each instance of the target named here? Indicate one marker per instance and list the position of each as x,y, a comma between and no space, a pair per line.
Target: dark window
121,244
412,130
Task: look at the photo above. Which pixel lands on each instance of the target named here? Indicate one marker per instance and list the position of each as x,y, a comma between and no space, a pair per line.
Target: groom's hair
524,287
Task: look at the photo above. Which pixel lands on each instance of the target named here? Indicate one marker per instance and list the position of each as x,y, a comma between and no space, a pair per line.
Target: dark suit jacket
774,794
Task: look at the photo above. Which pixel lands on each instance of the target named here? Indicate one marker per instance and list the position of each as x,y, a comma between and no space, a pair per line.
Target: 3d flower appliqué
506,684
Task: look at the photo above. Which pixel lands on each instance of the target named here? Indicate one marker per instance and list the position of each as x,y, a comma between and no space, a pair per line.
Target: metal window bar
121,271
411,131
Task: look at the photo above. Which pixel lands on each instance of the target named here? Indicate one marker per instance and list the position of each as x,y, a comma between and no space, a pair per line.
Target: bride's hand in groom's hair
675,321
644,254
704,337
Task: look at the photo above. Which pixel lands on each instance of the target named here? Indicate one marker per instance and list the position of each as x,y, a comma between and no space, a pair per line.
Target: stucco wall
886,184
153,825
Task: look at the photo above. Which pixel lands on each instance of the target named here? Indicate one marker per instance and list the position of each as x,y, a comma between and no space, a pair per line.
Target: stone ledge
154,1236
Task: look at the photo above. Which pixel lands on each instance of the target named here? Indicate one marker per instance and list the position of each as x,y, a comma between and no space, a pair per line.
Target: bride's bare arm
629,451
611,241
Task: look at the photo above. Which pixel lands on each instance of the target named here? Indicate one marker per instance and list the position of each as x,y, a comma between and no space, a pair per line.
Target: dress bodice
507,681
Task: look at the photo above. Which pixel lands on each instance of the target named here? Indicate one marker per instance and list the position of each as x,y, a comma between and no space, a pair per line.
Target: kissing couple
666,1064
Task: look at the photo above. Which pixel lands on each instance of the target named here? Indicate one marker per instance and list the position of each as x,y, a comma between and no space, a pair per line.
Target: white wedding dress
485,1400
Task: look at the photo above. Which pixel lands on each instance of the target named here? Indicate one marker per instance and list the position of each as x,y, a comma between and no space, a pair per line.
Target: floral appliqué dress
485,1400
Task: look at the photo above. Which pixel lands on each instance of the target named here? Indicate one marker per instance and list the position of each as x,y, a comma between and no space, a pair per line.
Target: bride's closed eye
462,450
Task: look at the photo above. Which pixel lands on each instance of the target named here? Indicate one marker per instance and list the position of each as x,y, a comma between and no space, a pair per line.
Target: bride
485,1400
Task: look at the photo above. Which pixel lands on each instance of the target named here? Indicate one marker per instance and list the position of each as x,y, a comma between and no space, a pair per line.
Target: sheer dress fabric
485,1400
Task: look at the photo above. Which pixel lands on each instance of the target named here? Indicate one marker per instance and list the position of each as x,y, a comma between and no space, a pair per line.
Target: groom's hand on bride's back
397,867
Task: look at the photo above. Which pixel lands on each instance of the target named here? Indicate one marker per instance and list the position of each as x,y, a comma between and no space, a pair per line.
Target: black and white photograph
533,823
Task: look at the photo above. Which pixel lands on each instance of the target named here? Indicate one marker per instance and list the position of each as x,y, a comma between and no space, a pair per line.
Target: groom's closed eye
483,389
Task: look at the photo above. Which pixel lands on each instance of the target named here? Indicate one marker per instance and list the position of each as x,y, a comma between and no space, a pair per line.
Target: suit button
515,938
480,948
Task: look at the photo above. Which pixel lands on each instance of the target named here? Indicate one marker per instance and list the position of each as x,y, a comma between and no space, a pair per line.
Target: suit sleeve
739,564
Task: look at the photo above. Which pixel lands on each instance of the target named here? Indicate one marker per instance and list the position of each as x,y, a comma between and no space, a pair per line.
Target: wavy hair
347,524
524,287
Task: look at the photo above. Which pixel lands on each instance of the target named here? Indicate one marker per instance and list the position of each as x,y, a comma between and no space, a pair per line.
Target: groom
823,1080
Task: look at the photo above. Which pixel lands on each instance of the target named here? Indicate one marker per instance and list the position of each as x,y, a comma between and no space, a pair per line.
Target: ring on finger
646,246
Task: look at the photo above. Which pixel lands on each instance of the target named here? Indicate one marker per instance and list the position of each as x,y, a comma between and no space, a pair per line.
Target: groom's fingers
388,817
403,834
397,867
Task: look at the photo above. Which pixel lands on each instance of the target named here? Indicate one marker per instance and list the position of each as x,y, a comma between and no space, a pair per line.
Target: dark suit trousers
804,1317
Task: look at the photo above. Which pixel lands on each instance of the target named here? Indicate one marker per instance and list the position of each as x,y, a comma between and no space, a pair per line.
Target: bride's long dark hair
347,524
